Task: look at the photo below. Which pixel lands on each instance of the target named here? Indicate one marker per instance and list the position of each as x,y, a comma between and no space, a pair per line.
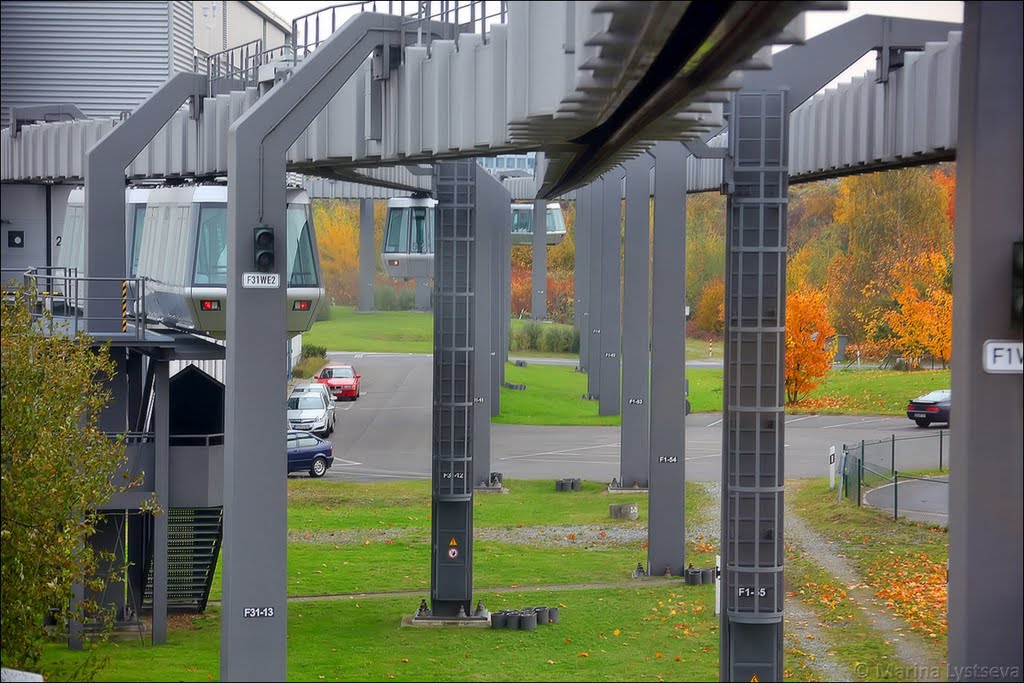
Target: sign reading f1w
1001,356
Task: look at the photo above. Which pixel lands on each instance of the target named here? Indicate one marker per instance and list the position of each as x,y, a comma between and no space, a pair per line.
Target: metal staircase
193,546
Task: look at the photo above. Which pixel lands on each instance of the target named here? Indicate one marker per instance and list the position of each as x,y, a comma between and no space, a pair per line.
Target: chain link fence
869,473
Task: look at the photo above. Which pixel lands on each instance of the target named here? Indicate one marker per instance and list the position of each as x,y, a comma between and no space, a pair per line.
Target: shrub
517,339
308,366
557,339
533,332
406,299
314,351
385,298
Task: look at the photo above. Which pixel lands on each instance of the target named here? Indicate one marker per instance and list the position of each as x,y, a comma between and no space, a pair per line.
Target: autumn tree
809,345
710,314
57,469
705,246
881,219
921,322
337,234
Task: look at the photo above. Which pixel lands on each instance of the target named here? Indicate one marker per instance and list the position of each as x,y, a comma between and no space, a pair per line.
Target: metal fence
868,467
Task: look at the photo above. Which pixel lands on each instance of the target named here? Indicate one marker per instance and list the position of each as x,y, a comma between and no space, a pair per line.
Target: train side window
139,228
396,239
522,221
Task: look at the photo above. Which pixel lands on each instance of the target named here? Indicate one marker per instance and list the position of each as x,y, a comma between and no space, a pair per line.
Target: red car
341,380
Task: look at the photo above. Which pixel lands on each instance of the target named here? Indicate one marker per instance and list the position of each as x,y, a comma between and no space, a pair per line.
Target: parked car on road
311,412
342,381
315,388
309,453
932,407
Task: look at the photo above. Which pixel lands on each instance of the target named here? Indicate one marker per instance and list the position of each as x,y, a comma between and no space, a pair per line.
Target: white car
309,411
317,388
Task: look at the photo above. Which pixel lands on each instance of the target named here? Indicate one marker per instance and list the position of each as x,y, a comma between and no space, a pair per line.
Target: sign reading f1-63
999,356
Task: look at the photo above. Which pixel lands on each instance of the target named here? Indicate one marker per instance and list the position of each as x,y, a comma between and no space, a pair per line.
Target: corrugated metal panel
105,57
183,26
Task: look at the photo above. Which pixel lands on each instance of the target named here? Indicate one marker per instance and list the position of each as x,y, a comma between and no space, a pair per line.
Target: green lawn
383,331
871,392
412,332
635,630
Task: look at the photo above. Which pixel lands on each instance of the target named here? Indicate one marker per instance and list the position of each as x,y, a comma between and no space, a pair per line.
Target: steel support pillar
611,293
986,552
422,294
488,211
161,479
456,184
581,272
597,190
506,290
539,300
495,273
367,256
635,449
105,163
666,497
254,616
754,389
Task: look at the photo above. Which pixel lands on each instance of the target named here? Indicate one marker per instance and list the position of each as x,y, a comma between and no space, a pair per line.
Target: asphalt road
386,435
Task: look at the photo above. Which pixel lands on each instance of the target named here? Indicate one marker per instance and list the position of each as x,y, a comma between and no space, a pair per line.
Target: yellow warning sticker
754,679
453,542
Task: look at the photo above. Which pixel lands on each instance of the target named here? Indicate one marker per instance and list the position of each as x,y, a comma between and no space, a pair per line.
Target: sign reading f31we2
999,356
261,280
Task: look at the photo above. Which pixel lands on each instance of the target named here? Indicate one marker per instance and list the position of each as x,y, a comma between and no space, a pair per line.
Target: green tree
705,244
57,469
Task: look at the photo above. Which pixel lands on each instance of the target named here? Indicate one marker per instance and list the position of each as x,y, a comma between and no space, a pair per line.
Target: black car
932,407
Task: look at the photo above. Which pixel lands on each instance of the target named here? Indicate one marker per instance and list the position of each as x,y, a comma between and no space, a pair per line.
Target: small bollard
512,620
707,576
552,615
498,619
542,615
692,576
528,620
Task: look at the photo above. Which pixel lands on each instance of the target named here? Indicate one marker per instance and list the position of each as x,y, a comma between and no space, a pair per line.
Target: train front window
419,231
212,246
301,269
522,221
396,239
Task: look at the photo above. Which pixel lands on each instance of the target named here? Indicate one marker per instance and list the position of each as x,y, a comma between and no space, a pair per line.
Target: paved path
922,500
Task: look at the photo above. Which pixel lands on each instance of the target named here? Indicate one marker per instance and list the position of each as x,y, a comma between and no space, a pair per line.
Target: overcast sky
817,22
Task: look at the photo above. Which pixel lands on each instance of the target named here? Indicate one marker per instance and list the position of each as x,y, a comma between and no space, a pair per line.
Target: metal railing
872,465
60,299
469,16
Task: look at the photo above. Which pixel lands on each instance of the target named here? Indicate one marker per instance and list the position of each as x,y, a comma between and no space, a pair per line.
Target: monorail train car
409,238
69,246
182,254
522,224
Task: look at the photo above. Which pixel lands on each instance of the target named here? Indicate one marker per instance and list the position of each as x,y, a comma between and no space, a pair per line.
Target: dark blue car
309,453
932,407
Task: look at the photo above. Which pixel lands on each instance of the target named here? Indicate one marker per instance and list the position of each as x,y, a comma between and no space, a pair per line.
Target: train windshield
410,230
522,221
212,255
301,269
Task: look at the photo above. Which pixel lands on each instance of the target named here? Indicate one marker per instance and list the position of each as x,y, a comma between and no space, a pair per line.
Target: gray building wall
220,24
104,57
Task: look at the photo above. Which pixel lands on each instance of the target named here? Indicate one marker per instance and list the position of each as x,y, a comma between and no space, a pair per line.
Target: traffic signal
1017,295
263,248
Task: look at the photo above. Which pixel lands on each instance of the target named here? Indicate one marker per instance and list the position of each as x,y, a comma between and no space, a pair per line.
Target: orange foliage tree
710,314
921,322
337,234
808,349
